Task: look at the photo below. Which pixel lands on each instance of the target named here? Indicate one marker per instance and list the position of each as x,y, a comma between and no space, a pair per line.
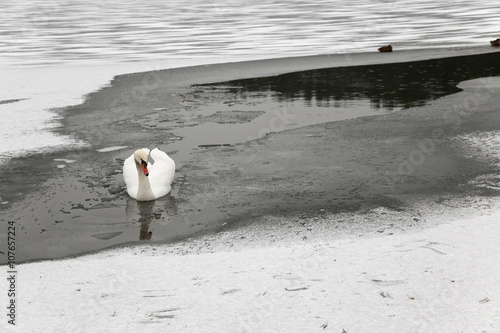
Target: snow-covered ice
113,148
441,277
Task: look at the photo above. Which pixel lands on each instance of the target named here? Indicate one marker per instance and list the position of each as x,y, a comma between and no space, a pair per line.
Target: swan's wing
161,173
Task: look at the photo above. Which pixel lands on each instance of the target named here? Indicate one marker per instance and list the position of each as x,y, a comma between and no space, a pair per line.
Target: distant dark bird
387,48
495,42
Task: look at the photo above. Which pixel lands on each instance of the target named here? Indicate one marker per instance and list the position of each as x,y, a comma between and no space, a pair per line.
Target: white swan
146,181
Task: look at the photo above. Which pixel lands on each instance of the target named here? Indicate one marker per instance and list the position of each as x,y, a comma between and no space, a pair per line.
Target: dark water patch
390,86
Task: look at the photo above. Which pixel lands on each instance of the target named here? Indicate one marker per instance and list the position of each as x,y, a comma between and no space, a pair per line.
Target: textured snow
439,278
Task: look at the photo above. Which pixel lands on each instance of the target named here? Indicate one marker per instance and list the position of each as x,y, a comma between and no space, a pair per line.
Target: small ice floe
65,160
112,148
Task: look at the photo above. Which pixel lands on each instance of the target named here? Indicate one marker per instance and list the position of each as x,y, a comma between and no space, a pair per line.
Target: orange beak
145,168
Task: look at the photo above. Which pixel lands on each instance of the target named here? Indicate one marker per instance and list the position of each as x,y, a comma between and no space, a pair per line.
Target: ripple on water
67,31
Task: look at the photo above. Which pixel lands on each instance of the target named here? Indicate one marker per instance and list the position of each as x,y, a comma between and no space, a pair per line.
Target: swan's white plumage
161,175
163,172
130,175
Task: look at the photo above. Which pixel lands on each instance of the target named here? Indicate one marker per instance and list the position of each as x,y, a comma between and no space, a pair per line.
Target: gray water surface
36,32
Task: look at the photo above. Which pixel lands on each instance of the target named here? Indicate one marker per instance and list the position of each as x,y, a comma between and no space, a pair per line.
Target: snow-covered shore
439,275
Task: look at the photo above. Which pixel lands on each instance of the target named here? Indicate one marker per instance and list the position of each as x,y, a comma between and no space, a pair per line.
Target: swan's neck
144,192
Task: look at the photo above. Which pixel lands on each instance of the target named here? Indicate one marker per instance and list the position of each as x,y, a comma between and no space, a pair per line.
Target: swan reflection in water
158,212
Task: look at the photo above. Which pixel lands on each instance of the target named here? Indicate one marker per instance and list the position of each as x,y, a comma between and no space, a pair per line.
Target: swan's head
141,158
